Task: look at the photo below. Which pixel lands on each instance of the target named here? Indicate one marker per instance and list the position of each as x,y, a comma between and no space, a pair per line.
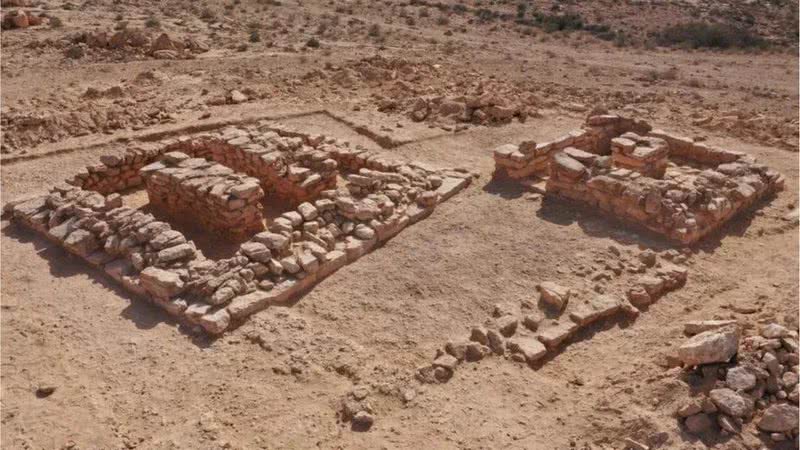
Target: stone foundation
146,256
669,184
202,192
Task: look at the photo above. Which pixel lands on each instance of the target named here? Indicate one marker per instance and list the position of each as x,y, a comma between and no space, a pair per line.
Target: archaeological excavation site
271,224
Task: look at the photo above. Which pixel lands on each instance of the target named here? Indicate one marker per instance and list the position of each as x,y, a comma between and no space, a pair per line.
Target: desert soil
127,377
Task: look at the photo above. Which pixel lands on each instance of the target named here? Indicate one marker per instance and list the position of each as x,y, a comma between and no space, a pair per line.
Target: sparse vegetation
312,43
55,22
152,22
708,35
559,22
374,30
254,36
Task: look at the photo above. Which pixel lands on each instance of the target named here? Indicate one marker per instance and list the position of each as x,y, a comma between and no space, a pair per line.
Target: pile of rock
684,206
594,138
20,19
755,384
646,155
164,47
356,409
488,108
198,191
114,173
484,102
139,41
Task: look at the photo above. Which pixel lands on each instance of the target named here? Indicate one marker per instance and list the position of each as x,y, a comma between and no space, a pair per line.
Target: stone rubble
19,19
753,392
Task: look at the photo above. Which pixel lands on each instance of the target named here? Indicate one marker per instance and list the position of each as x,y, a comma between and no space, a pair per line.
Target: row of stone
599,135
685,206
529,158
317,238
288,168
531,338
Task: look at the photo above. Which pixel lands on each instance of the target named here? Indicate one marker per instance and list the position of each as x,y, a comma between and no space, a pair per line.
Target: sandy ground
127,377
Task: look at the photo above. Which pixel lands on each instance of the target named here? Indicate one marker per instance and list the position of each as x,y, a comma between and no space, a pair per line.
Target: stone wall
685,205
116,173
381,196
670,184
146,256
288,168
531,158
644,154
206,193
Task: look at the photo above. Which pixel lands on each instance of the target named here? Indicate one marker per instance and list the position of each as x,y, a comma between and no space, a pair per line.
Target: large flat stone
530,347
161,283
710,347
554,335
597,308
450,187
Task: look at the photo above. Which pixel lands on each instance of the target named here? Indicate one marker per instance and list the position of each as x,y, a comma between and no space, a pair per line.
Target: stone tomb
670,184
148,257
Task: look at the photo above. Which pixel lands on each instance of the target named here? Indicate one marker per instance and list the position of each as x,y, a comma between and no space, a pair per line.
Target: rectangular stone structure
86,215
206,193
667,183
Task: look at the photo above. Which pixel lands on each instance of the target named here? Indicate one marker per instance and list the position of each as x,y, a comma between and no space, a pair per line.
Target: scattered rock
363,420
237,97
45,390
554,295
507,325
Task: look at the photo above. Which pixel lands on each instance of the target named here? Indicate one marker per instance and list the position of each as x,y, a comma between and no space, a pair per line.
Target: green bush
708,35
312,43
